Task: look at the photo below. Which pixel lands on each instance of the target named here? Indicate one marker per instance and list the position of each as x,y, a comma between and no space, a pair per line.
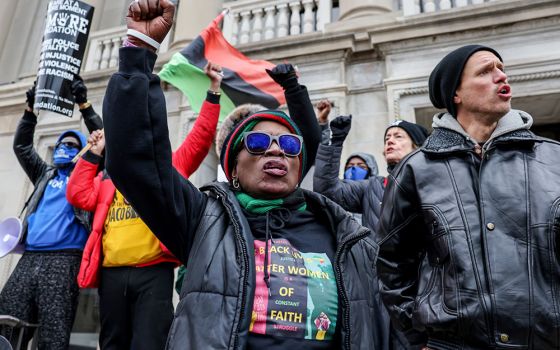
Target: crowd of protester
458,247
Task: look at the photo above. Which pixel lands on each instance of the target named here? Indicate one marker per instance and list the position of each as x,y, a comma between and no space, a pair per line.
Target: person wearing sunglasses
43,289
258,142
270,265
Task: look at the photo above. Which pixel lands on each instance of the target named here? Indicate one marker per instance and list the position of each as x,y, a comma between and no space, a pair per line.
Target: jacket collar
334,215
449,136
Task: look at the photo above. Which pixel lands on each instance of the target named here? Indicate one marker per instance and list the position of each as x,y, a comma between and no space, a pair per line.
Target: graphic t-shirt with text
301,308
127,240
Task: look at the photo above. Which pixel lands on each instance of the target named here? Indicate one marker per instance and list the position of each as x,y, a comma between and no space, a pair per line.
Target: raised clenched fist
214,72
323,111
152,18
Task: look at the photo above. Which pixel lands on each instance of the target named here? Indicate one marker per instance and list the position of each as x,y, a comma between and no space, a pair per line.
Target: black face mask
64,153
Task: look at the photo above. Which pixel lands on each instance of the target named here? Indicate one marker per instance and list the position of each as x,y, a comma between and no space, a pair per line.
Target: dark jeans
43,289
135,305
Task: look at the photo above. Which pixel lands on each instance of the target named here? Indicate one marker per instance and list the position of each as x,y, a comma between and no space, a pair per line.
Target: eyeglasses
258,142
68,144
360,165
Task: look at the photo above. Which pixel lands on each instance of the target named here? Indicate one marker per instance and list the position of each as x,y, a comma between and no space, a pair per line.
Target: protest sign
62,51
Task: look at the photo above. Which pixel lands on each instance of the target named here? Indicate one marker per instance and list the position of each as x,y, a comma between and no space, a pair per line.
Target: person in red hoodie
133,270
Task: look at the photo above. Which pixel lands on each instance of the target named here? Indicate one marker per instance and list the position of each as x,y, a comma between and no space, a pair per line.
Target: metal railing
15,324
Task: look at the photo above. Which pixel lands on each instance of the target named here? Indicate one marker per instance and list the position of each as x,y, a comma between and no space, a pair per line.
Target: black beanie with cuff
417,132
446,76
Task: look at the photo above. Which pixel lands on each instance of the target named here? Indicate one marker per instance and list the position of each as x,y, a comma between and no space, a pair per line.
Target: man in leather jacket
469,241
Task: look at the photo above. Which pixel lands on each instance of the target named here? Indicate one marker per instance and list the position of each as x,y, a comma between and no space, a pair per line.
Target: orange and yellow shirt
127,240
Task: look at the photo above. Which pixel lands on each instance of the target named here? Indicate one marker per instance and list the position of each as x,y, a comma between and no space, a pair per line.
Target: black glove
79,90
340,126
92,120
30,94
285,75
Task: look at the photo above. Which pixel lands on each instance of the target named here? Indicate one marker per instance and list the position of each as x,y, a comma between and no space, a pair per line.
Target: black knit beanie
446,77
417,133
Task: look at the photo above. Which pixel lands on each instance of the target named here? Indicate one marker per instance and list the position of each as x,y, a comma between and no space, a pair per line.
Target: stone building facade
371,57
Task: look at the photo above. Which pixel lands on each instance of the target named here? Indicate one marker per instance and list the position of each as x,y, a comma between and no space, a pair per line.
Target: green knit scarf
294,201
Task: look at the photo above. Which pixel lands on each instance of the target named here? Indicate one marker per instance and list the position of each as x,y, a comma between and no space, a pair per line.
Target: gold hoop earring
235,183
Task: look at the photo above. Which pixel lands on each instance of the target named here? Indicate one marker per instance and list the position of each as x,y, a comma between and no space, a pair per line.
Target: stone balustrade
103,50
414,7
251,21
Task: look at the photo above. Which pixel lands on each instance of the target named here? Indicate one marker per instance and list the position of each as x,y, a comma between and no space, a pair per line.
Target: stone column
111,13
97,13
22,41
361,8
7,9
323,13
192,16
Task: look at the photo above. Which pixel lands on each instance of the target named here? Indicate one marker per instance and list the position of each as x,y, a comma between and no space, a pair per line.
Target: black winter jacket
208,230
219,287
363,197
38,171
470,239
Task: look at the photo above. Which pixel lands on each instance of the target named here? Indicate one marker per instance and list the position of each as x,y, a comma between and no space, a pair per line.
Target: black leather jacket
470,239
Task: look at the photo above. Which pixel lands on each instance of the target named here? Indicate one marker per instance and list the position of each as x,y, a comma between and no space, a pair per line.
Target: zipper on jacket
556,240
245,262
340,285
556,255
489,314
477,160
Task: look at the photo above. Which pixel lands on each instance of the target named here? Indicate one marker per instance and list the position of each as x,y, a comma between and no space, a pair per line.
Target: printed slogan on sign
62,51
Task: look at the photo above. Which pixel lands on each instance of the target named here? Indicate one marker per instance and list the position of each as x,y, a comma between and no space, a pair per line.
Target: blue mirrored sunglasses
258,142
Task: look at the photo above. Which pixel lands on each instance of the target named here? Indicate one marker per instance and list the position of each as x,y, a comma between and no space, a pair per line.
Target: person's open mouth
275,168
504,92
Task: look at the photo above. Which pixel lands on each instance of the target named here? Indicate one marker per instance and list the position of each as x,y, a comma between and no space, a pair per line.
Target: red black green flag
245,80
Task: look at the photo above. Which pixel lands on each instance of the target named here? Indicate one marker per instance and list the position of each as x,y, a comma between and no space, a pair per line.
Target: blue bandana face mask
64,154
355,173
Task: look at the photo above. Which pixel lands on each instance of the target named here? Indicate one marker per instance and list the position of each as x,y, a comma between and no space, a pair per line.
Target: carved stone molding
534,76
406,92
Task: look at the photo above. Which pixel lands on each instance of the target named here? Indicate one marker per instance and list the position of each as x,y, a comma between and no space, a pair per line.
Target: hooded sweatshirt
511,121
53,226
369,159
